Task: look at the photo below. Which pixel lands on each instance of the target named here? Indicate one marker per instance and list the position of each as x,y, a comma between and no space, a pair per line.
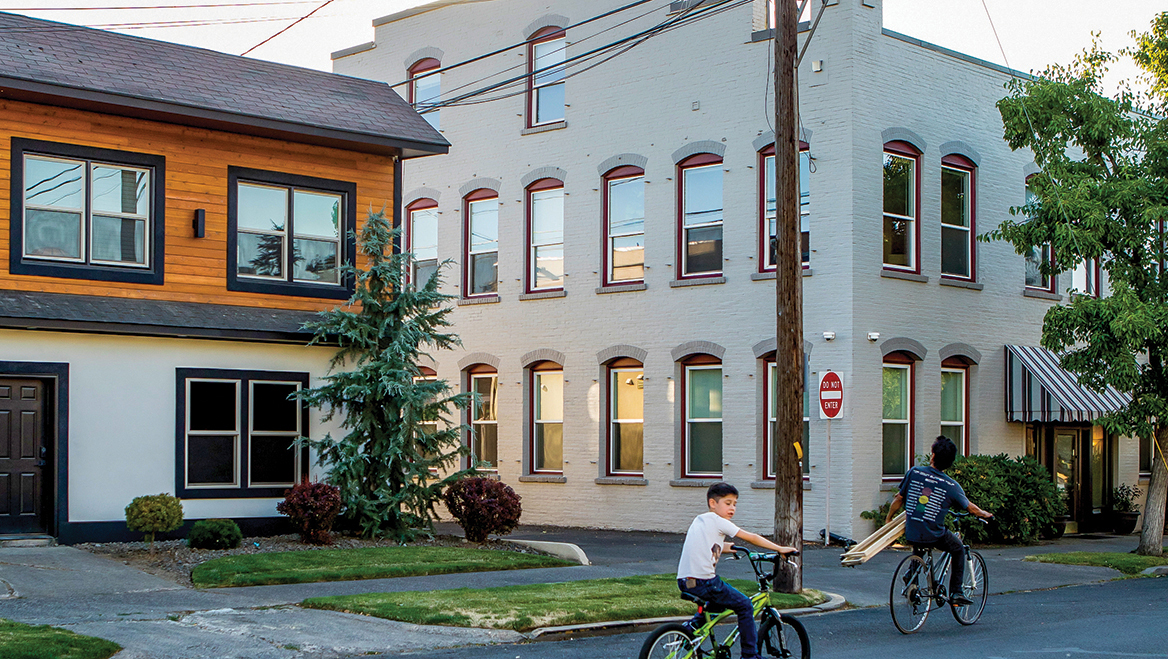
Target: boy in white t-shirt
704,543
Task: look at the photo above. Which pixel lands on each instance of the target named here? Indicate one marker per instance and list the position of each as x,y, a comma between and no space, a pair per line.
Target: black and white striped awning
1038,389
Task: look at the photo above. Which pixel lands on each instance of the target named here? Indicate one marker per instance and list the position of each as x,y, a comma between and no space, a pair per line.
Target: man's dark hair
720,490
944,451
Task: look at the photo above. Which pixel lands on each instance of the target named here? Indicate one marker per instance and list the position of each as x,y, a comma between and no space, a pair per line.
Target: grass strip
1126,563
364,563
523,608
21,641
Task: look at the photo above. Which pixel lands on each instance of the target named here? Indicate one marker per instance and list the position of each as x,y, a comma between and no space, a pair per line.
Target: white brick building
566,161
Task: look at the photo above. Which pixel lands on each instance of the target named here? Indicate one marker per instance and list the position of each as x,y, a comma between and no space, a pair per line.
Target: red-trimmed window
699,216
545,57
545,235
955,403
626,417
1038,275
770,393
422,240
702,412
897,422
428,426
624,225
483,381
958,218
1085,278
768,208
902,199
547,418
425,88
481,237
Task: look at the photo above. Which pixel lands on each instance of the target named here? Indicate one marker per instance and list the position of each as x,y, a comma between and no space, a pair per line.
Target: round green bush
1018,491
214,534
154,513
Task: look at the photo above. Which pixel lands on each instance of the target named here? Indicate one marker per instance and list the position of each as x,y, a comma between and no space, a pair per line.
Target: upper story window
426,88
955,403
772,403
1085,278
702,407
700,210
901,200
289,234
484,445
547,418
624,222
1038,258
768,251
546,65
958,237
86,213
545,236
897,420
481,264
422,240
626,417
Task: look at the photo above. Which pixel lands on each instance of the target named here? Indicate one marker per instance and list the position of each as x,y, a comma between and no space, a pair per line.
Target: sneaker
960,600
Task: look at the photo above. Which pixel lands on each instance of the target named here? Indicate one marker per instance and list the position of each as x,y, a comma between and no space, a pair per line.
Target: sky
1033,33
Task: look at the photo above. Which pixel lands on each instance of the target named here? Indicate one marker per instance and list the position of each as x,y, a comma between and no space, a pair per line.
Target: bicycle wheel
784,636
908,598
975,587
669,641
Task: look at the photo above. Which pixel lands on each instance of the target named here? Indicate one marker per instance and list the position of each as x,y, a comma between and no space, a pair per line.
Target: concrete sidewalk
153,617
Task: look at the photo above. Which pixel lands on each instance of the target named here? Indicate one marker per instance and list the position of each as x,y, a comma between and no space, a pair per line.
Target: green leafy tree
386,466
1103,194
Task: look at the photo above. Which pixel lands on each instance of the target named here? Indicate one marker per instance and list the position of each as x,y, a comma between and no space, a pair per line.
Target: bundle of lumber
874,544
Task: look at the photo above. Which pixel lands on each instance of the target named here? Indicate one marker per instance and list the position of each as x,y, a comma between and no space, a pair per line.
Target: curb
1156,571
561,549
628,626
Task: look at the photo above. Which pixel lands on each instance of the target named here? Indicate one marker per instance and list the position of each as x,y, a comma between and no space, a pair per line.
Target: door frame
55,376
1083,514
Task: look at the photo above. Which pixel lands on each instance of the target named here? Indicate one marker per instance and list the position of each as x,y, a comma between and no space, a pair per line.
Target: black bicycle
779,635
918,587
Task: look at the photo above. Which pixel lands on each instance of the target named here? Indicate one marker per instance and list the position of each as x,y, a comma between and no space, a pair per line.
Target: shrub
483,506
878,516
312,507
1018,491
154,513
1123,499
214,534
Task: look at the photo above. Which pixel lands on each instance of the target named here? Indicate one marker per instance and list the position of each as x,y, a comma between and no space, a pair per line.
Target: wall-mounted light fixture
200,223
829,336
873,336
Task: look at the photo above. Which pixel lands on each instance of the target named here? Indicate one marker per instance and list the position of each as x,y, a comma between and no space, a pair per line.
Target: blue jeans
722,596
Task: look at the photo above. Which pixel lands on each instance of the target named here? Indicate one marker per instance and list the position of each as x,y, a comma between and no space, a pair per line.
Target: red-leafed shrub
312,507
483,506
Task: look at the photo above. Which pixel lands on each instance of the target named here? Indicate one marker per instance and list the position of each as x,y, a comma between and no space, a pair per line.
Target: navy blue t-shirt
928,495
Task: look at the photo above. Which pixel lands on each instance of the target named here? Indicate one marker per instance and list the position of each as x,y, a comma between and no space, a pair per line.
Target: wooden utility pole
788,428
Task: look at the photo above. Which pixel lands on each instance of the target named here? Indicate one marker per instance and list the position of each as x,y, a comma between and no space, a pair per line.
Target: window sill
907,276
543,295
621,288
322,291
486,299
66,270
771,274
962,283
890,486
770,485
694,482
543,478
1041,295
621,480
697,281
544,128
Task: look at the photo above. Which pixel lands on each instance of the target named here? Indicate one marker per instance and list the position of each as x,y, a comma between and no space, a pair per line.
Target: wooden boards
875,543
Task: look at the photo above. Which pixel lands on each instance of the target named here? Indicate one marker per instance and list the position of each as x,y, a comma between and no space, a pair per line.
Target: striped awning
1038,389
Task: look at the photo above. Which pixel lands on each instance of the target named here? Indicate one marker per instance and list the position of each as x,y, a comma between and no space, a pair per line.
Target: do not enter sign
831,395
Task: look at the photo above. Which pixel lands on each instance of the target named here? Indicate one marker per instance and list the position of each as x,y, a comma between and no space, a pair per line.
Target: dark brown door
23,456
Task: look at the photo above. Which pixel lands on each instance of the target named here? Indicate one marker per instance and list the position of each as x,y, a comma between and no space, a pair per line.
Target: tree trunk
1152,536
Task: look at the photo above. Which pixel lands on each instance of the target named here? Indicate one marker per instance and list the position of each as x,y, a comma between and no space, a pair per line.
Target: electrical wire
154,7
289,27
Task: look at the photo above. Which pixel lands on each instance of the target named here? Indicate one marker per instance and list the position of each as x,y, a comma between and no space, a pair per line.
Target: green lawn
1126,563
523,608
353,564
20,641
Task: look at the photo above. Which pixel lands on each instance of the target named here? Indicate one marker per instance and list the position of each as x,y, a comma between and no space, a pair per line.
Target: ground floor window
236,433
484,445
954,403
772,403
897,419
547,418
703,417
626,423
1146,449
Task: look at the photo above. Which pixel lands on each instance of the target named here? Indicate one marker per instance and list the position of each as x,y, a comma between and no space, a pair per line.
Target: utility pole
788,430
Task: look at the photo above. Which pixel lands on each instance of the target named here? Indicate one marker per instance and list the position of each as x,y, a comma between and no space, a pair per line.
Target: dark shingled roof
111,315
81,67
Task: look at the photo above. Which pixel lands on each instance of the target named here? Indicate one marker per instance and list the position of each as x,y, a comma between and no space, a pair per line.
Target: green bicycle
779,635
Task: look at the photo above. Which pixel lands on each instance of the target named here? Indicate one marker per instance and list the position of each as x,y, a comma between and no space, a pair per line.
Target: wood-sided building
174,216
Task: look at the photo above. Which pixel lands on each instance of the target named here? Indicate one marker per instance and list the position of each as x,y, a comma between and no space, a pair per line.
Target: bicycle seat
694,598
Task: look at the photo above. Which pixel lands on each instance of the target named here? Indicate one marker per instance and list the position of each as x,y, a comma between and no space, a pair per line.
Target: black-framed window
86,213
234,433
289,234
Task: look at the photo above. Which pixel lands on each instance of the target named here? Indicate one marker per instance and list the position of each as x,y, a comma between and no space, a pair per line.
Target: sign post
831,405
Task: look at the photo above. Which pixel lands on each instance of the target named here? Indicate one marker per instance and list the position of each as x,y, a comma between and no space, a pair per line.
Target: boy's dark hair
944,451
720,490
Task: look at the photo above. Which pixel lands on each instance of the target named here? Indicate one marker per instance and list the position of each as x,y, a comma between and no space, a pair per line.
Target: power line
294,23
143,25
145,7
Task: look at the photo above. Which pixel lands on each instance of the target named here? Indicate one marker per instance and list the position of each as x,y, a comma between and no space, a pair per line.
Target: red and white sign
831,395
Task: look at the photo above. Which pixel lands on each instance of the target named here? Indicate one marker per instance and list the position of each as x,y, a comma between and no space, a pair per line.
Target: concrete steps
27,540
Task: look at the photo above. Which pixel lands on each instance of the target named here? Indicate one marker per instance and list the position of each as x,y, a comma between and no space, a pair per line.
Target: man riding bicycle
931,494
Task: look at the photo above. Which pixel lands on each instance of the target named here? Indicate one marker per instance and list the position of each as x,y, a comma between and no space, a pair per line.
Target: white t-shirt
703,546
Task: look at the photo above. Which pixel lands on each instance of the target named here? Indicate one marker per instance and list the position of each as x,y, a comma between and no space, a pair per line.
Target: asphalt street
1127,618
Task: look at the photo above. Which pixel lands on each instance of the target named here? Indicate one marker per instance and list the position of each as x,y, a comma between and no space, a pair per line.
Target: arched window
958,218
481,237
624,225
545,235
483,381
955,402
701,383
1038,276
545,57
770,395
897,418
902,197
626,417
422,240
425,88
546,417
699,206
768,207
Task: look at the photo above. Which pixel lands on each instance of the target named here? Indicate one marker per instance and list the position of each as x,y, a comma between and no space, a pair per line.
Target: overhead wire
162,7
289,27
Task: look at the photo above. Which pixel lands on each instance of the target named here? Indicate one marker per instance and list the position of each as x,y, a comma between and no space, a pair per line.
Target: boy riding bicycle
704,543
931,494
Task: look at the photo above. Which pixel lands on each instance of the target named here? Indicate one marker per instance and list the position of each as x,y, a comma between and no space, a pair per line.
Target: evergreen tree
395,420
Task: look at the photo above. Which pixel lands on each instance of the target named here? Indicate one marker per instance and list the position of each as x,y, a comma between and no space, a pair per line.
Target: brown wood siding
196,177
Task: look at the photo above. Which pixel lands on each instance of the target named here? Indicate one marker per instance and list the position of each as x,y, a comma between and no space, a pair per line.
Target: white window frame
236,434
967,176
772,418
770,213
689,369
686,226
613,421
910,219
475,421
611,235
553,75
1087,273
471,252
533,247
290,234
416,264
536,421
907,422
963,423
422,104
